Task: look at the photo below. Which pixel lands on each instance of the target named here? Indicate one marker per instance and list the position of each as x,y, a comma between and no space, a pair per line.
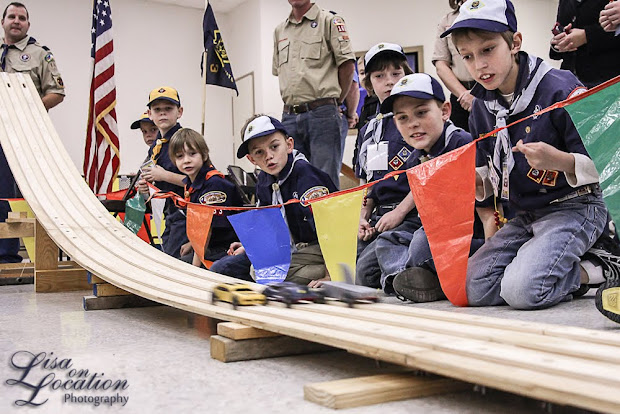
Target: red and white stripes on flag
101,154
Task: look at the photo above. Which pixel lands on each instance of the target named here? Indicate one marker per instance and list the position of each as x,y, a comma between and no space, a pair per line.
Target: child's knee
521,292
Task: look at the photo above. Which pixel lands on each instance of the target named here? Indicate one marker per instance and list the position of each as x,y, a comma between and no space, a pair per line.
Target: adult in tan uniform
21,53
452,71
314,62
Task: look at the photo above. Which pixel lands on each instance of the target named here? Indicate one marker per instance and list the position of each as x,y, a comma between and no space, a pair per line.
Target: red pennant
444,191
199,218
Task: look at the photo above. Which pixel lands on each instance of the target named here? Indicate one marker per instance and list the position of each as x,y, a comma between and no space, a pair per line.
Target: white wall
158,44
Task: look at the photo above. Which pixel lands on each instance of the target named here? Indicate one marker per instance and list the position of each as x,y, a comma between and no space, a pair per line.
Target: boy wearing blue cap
286,174
205,185
422,116
165,110
381,149
540,166
147,127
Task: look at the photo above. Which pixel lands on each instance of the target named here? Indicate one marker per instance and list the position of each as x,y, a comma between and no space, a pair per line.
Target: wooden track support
375,389
252,343
107,296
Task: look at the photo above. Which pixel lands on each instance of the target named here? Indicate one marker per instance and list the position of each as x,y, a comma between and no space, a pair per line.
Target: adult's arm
351,102
51,100
345,78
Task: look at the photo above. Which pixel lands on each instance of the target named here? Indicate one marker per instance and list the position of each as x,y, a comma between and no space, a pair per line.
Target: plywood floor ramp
563,365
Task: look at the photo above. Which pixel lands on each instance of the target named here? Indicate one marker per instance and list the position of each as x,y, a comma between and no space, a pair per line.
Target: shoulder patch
58,81
213,197
313,193
577,91
49,57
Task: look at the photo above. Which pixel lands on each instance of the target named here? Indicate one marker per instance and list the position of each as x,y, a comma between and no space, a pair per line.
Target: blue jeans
533,261
400,250
317,135
368,271
9,248
235,266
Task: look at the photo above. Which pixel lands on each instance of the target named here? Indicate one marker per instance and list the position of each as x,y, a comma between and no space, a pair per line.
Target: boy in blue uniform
540,166
422,117
165,110
286,174
389,203
205,185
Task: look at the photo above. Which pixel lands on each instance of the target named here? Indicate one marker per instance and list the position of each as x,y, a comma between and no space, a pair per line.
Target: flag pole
204,84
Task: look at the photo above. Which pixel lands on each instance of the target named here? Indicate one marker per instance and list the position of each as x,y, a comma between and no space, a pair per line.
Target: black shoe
418,285
607,294
583,289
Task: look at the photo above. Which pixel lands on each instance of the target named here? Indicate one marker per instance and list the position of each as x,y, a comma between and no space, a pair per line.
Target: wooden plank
15,230
106,289
375,389
6,280
237,331
93,279
46,251
48,281
11,267
229,350
116,302
16,215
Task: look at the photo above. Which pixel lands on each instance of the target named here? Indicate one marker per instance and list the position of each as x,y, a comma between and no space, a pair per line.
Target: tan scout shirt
306,56
446,51
38,63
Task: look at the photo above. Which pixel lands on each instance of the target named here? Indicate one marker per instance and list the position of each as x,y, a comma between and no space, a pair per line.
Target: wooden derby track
563,365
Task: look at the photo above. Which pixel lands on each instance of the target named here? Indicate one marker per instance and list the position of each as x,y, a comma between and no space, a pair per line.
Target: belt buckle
297,109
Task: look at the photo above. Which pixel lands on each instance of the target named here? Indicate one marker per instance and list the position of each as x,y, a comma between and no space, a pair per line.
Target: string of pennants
265,236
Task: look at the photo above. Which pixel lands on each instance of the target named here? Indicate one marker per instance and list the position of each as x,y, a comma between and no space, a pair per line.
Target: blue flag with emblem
219,71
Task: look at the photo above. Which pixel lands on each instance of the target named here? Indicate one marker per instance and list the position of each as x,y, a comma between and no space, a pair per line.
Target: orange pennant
199,218
444,191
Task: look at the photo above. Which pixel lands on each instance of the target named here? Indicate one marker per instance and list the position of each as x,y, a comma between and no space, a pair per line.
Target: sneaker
608,293
418,285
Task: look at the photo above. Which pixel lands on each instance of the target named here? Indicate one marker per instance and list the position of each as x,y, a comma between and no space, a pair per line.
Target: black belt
586,189
309,106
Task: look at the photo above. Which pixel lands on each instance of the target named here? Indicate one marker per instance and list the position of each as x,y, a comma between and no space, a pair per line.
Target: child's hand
143,187
156,173
542,156
389,221
610,16
365,231
235,249
186,249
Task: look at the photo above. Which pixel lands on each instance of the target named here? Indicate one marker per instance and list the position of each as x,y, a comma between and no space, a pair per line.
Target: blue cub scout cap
416,85
259,127
490,15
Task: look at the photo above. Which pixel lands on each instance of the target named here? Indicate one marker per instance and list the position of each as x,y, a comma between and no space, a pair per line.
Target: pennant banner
267,242
199,218
448,180
337,220
597,118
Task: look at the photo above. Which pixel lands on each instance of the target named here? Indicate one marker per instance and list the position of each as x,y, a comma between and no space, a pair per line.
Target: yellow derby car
237,294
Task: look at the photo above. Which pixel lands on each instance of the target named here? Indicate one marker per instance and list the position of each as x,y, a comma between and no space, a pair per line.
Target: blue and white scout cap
416,85
259,127
490,15
382,48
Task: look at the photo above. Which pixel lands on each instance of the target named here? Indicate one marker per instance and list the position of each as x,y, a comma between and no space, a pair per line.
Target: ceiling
219,6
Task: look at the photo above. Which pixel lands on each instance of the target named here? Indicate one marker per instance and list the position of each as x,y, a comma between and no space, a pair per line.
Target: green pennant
597,118
134,213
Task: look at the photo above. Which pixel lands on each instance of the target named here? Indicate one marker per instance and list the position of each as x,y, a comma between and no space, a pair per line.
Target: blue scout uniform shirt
529,188
305,182
211,188
163,159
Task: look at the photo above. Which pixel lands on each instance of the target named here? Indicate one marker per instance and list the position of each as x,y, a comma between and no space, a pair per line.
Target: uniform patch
550,178
536,175
49,57
314,24
339,23
314,193
537,109
25,57
213,197
404,154
58,81
475,5
577,91
396,163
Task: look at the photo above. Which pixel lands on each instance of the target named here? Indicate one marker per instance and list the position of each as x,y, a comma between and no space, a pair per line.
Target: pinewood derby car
349,293
289,293
237,294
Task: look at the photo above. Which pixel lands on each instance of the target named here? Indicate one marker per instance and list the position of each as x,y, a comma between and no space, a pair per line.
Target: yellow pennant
337,221
20,205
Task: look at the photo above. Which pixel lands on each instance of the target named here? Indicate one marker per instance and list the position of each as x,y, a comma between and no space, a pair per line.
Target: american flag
101,155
